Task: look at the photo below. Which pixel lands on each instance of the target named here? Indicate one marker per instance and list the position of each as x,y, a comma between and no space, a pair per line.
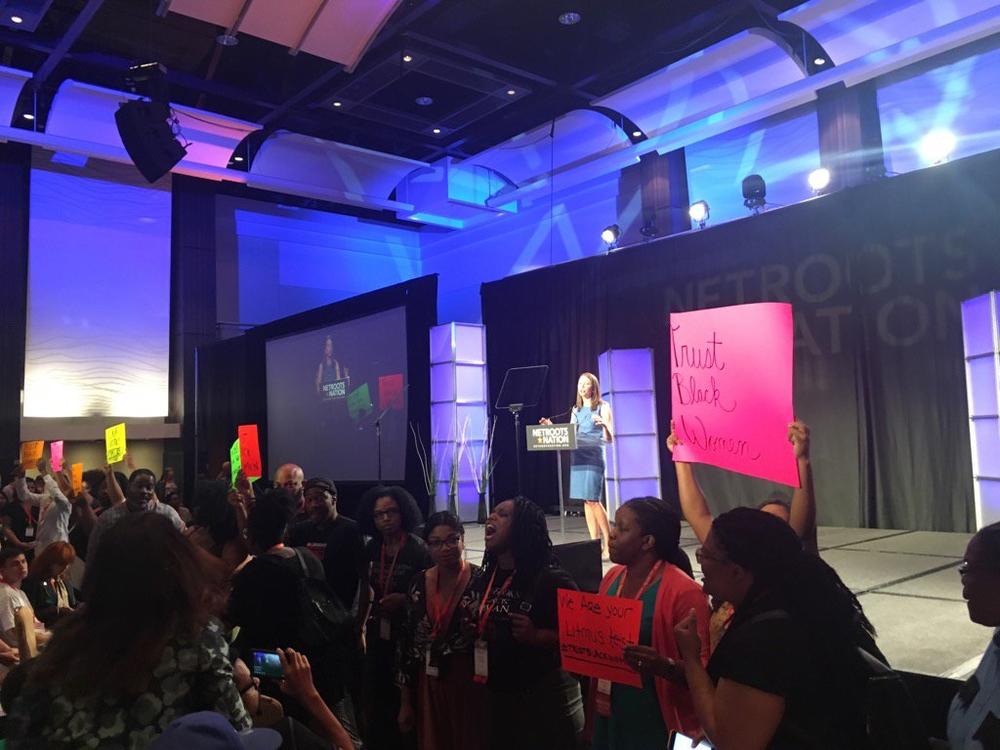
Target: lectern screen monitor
329,389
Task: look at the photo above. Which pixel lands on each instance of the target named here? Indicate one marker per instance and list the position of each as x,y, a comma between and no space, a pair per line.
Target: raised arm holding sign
114,443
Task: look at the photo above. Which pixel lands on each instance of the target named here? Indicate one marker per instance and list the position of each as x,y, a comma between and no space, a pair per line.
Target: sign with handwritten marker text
31,452
235,463
731,389
56,454
114,443
593,633
250,451
76,472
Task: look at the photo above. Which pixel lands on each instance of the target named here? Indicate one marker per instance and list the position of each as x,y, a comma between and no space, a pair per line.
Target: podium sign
336,390
551,437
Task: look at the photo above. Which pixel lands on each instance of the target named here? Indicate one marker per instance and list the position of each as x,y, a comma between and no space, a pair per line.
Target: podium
336,390
558,438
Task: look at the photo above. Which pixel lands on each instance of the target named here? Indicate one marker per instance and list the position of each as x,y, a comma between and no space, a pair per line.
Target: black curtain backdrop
232,379
876,275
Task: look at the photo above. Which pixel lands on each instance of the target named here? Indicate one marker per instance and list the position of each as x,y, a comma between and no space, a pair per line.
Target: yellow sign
31,452
114,441
77,475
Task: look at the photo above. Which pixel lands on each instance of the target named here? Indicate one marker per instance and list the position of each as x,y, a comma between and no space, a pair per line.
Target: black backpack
893,720
325,622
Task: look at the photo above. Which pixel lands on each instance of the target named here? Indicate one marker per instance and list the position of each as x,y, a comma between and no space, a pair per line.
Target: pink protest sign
731,388
56,454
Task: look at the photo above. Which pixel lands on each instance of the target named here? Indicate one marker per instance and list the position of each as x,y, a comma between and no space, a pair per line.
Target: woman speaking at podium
592,416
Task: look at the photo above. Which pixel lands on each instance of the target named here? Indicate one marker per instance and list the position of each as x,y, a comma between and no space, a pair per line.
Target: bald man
290,477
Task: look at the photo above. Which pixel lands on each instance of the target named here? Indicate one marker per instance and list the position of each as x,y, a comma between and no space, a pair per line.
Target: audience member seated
974,719
50,595
645,548
532,703
333,538
266,711
438,694
206,730
144,650
267,604
394,555
139,498
787,673
13,570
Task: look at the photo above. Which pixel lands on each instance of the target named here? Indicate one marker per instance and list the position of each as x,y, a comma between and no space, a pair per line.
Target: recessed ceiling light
819,61
436,131
424,101
237,158
28,116
227,40
16,19
338,104
637,134
569,18
407,58
511,92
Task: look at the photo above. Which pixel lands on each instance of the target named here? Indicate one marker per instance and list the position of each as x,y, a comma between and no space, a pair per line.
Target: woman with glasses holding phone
438,695
394,555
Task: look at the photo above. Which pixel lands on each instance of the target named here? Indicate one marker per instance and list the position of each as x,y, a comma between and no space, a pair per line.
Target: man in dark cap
333,538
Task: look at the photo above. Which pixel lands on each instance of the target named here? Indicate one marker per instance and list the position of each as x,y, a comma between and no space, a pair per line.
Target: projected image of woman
329,368
592,416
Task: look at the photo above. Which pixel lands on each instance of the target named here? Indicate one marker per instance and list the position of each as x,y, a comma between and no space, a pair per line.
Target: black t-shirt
514,666
265,600
339,545
768,649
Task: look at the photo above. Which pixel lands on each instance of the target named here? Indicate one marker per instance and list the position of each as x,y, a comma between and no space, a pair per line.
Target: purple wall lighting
459,412
633,459
982,375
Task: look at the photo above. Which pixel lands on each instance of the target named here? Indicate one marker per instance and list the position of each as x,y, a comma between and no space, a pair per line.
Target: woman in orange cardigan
644,544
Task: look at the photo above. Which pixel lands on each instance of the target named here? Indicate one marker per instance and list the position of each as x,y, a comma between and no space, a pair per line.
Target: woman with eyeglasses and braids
438,694
650,567
532,704
788,673
395,554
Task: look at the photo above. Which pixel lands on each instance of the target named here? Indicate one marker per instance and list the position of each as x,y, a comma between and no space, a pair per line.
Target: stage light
511,92
937,145
237,158
338,104
699,213
569,18
436,131
407,58
819,61
637,134
610,235
424,101
819,180
754,192
16,19
28,116
227,40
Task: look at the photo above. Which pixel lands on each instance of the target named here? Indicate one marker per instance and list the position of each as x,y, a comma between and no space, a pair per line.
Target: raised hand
798,436
672,440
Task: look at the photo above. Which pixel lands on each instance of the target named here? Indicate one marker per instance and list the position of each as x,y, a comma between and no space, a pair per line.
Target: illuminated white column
982,378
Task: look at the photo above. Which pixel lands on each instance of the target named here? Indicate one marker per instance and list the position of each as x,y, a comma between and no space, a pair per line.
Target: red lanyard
385,580
485,617
645,584
441,617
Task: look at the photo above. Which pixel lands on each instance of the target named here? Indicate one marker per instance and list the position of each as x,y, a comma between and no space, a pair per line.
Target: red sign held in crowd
250,452
593,633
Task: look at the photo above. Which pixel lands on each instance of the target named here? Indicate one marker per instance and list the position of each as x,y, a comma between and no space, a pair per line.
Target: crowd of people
262,617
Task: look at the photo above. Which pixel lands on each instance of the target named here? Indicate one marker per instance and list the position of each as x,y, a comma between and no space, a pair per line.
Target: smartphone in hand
266,664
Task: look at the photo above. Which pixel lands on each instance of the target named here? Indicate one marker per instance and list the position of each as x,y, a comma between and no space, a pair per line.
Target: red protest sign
593,633
731,388
250,451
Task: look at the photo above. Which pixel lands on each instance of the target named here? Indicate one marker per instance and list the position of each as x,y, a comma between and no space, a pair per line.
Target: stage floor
907,582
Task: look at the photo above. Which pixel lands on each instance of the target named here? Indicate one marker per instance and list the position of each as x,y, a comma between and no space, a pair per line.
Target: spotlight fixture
819,180
424,101
28,116
699,213
511,92
937,145
237,158
227,40
570,18
338,104
407,58
754,192
16,19
649,230
436,131
637,134
819,61
610,235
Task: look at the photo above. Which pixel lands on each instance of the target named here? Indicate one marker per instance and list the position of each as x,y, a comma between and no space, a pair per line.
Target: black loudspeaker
582,560
147,136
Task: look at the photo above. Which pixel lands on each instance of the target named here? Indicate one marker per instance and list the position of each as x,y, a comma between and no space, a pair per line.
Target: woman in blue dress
592,416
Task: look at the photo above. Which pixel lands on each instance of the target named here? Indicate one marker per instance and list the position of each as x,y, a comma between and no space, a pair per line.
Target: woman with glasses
394,555
974,718
649,567
439,696
788,672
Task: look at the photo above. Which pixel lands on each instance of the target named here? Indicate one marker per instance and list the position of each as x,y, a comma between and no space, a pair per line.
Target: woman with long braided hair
788,672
